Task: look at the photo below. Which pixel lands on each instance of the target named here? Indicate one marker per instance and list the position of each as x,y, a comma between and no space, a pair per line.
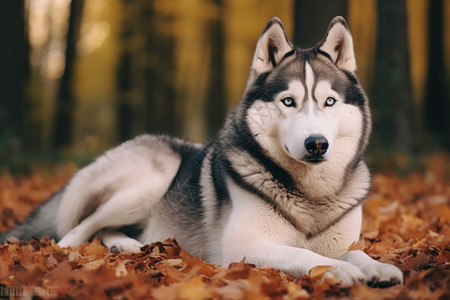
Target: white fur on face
308,118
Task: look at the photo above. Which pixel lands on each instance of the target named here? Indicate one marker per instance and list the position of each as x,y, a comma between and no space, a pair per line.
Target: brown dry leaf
121,269
94,265
295,291
316,273
194,289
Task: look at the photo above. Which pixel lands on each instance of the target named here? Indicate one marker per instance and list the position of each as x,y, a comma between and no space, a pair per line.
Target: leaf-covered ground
407,223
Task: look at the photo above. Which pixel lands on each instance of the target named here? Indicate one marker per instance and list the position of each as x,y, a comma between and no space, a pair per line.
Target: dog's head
307,104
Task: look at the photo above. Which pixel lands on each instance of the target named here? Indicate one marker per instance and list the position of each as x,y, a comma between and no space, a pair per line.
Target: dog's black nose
316,145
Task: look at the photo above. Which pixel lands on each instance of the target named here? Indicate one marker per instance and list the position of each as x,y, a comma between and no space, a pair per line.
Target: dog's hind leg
125,207
119,242
120,188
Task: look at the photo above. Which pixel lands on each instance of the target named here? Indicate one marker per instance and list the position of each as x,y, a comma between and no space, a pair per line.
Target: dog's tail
41,222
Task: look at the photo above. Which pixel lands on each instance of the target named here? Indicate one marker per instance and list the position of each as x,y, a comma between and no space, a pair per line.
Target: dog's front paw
378,274
346,272
382,275
130,245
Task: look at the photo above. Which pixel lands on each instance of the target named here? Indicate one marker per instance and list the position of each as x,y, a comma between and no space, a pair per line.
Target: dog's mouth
308,159
314,159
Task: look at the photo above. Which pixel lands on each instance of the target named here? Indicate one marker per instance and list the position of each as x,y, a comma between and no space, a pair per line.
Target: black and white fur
282,185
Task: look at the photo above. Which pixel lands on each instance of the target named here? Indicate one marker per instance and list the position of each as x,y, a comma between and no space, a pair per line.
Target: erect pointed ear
272,46
338,44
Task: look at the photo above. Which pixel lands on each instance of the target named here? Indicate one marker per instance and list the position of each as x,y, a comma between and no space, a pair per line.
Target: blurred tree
145,74
171,71
124,86
394,117
64,113
312,18
159,72
215,97
437,103
199,65
125,83
14,69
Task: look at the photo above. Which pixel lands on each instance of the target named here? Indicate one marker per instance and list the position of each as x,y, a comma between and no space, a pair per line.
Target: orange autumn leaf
316,273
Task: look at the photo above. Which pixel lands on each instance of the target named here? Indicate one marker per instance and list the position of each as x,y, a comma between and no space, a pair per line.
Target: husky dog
282,185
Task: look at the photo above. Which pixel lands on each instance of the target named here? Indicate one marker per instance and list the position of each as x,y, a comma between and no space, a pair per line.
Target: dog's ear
272,46
338,44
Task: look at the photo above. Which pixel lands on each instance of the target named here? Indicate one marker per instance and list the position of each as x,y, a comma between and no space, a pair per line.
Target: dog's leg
118,189
378,274
295,261
265,239
119,242
126,207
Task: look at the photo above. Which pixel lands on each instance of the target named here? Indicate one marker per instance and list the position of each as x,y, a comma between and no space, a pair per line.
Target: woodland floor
406,223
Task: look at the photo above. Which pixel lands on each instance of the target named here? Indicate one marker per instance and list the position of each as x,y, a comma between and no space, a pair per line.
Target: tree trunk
145,74
437,105
14,68
215,98
65,102
159,88
312,18
394,117
124,79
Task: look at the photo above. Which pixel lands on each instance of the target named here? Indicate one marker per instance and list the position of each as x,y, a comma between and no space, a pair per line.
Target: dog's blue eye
288,101
330,101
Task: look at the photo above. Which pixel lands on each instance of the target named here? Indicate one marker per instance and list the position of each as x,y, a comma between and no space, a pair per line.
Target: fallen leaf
194,289
316,273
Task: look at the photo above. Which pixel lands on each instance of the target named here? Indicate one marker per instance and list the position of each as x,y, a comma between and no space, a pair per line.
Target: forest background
77,77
